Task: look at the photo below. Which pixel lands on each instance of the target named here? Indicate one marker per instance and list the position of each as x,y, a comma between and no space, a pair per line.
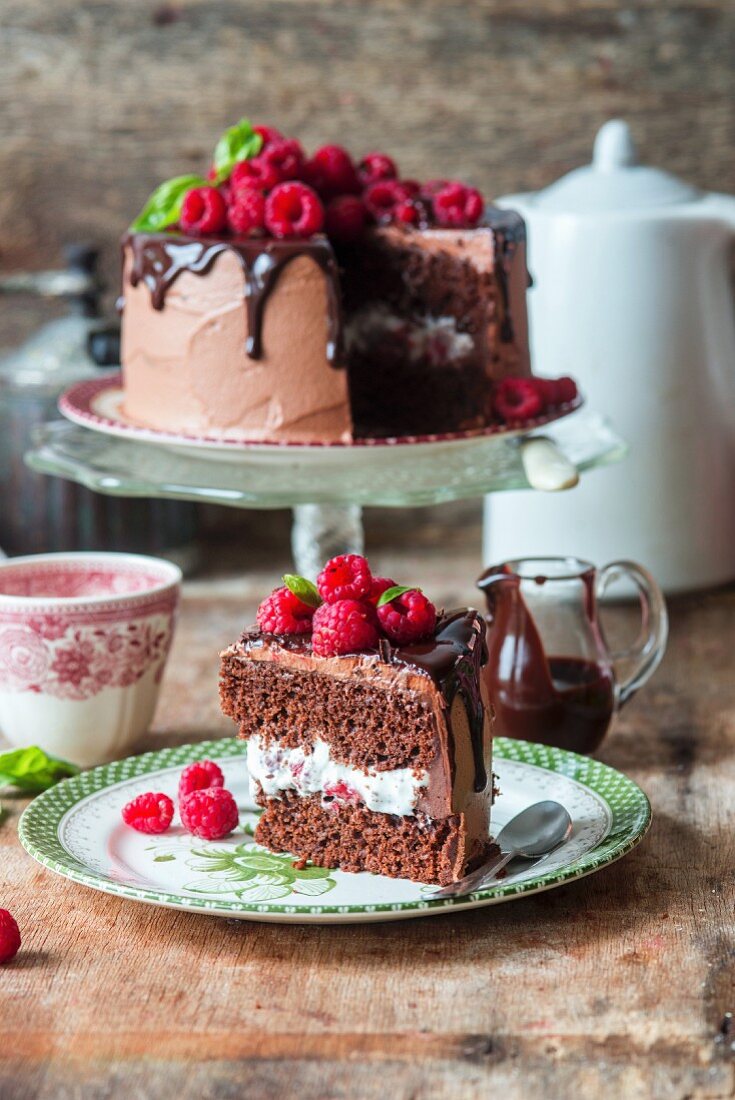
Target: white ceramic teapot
632,296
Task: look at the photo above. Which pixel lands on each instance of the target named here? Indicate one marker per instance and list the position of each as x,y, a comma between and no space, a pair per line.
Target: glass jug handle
647,650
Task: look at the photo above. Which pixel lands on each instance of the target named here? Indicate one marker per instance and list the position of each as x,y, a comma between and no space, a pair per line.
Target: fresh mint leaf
32,769
238,143
392,593
164,206
305,590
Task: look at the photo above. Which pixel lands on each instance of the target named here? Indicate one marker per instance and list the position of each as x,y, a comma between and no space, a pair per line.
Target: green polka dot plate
76,830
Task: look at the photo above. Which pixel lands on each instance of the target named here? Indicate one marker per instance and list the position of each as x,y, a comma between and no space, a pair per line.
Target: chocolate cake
372,761
242,320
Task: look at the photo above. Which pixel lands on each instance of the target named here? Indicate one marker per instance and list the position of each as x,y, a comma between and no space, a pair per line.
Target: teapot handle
647,650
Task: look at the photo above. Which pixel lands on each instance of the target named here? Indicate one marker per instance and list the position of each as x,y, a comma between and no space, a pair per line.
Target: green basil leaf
164,206
394,592
305,590
32,769
238,143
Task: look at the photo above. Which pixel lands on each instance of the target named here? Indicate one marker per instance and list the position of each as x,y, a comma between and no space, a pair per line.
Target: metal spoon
532,833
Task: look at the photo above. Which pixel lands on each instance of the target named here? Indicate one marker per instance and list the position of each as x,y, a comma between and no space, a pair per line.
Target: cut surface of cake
375,761
294,299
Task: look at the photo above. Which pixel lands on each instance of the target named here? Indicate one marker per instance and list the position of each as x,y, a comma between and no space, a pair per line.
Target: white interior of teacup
85,578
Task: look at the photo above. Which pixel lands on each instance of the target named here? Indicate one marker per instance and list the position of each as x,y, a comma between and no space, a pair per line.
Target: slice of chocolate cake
374,761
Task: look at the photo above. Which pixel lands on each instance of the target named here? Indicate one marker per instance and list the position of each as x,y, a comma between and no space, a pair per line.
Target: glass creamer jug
550,673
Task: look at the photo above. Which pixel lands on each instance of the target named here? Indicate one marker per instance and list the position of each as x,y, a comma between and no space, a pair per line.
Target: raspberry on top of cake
368,729
288,297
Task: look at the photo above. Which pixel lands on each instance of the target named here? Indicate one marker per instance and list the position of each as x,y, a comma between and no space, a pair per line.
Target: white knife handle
546,467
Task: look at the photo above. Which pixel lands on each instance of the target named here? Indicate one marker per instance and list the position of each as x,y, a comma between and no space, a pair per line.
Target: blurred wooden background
102,99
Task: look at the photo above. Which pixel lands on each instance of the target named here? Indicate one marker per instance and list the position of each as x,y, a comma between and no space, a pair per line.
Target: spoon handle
476,879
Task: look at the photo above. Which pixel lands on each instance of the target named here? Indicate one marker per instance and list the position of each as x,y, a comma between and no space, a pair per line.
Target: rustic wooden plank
99,101
617,983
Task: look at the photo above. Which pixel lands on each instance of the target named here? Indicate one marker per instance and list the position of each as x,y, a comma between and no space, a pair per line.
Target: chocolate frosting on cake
159,259
452,659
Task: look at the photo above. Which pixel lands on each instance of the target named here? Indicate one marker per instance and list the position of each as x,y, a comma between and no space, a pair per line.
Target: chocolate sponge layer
354,838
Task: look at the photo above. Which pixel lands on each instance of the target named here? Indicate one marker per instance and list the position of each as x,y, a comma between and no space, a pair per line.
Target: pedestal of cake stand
328,487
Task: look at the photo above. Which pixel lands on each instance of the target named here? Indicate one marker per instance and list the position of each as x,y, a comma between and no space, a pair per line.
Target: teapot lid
614,180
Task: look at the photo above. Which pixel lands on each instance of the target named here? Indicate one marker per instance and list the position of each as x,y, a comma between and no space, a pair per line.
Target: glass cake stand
326,487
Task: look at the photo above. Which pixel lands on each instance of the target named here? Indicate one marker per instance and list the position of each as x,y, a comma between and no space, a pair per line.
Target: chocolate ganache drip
159,258
453,659
509,230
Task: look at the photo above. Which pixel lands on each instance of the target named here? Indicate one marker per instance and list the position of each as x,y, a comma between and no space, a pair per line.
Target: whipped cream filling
433,339
278,769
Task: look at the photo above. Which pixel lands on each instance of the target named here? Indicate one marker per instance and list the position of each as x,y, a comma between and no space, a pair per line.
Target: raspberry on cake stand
326,486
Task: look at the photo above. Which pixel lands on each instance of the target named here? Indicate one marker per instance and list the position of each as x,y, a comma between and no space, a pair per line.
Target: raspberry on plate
346,577
246,212
284,613
376,166
9,936
518,399
210,813
458,206
406,212
346,626
151,812
345,218
293,210
409,617
203,211
331,172
200,775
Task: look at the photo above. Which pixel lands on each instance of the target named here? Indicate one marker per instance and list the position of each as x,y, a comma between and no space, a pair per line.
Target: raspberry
149,813
256,173
346,626
406,212
284,613
203,211
566,390
517,399
381,198
293,210
409,617
340,791
269,134
9,936
431,187
200,775
285,157
210,813
458,206
379,586
345,218
246,212
331,172
346,577
374,167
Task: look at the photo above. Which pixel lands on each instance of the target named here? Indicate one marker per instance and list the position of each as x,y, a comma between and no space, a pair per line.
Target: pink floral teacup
83,643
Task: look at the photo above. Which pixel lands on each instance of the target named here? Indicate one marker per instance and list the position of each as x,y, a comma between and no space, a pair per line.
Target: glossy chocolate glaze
509,230
159,259
452,659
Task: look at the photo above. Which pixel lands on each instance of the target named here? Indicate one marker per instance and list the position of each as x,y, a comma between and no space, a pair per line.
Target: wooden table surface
616,985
